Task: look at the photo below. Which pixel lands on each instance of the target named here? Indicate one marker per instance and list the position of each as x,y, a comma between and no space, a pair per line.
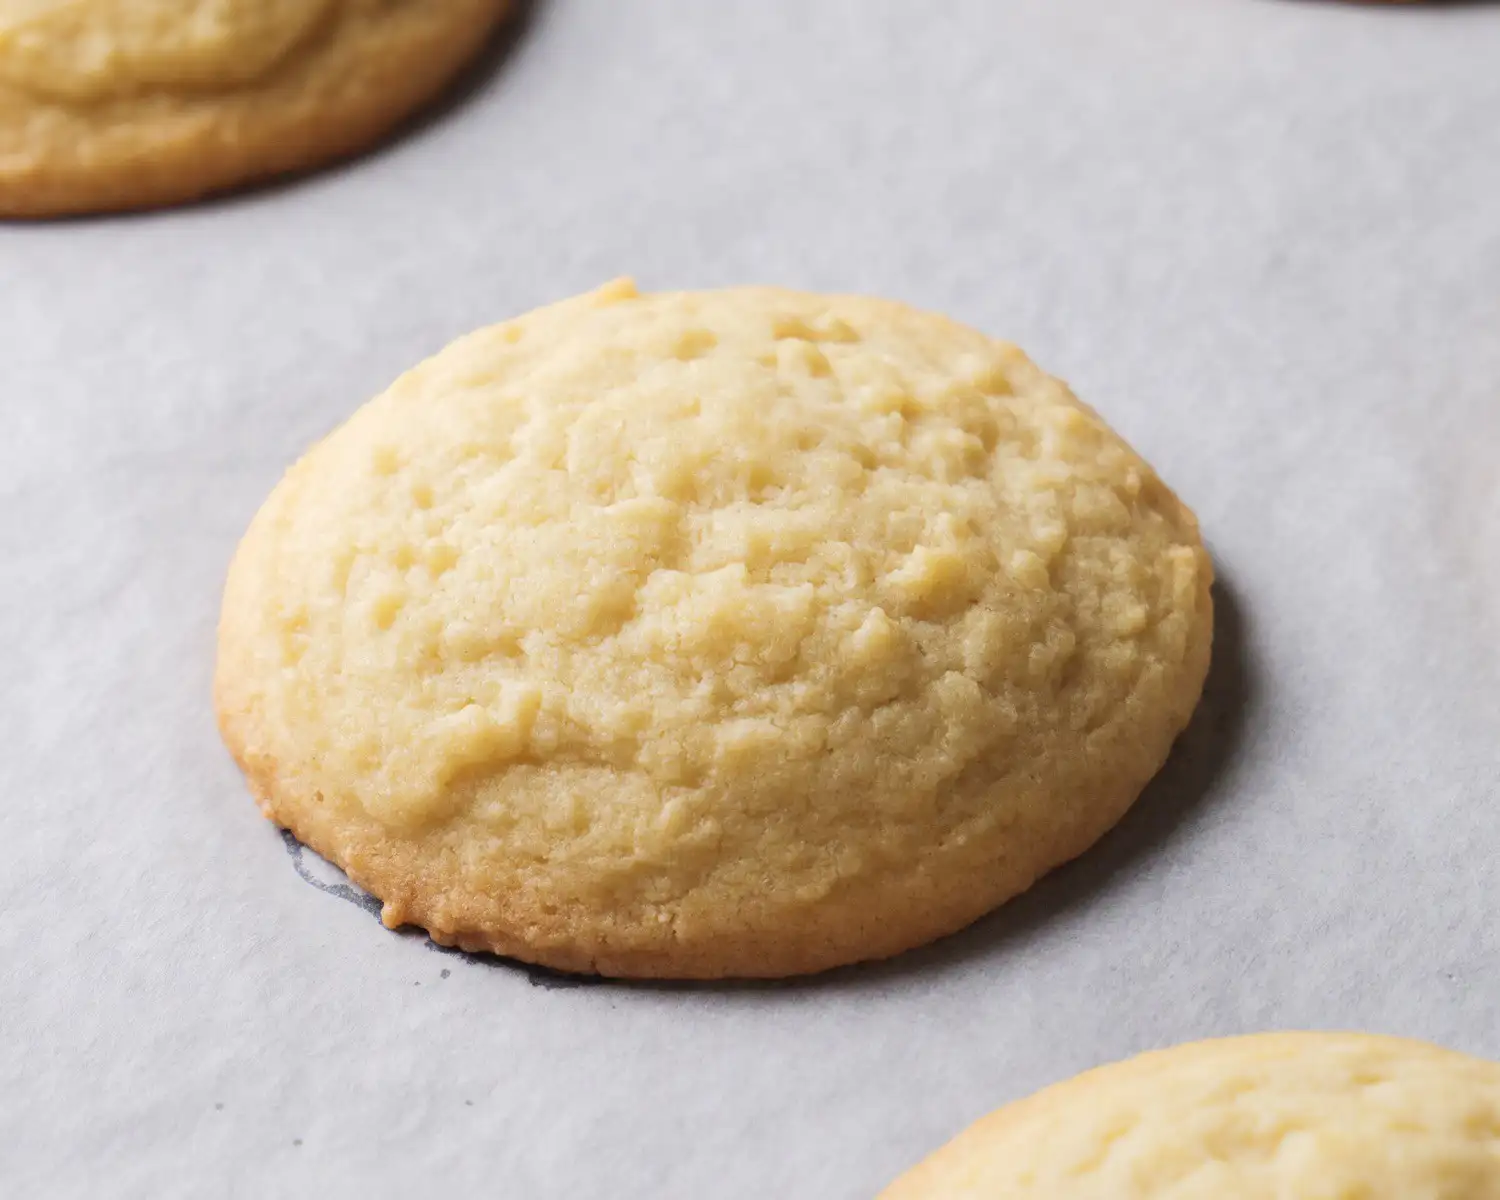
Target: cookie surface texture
120,104
740,633
1303,1116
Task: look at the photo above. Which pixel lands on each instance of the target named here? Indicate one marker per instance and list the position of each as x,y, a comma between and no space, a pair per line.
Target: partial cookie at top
730,633
118,104
1297,1116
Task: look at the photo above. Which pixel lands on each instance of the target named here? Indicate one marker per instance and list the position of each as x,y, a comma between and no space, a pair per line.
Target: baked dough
1293,1116
701,634
118,104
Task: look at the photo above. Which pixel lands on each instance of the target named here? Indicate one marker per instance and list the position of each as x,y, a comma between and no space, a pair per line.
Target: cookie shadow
473,81
1194,778
316,871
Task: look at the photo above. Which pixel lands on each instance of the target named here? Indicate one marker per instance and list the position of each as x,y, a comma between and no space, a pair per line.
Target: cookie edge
215,155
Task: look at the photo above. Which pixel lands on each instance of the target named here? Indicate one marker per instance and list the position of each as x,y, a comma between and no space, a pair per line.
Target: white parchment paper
1261,236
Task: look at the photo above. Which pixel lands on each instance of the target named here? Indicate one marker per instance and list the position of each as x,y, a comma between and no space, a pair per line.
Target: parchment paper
1262,236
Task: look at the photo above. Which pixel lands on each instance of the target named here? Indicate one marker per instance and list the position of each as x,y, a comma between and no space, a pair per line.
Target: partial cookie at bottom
1293,1116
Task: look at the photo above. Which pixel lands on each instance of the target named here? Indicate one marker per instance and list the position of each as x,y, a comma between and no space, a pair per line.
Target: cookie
740,633
122,104
1298,1116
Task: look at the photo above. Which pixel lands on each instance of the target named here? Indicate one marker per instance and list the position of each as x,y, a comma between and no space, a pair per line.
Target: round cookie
1293,1116
740,633
121,104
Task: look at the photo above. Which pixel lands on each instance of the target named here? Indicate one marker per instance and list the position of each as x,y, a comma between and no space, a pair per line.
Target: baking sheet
1263,237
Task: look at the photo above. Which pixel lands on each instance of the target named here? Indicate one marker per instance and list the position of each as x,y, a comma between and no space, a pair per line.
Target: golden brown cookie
1294,1116
738,633
120,104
